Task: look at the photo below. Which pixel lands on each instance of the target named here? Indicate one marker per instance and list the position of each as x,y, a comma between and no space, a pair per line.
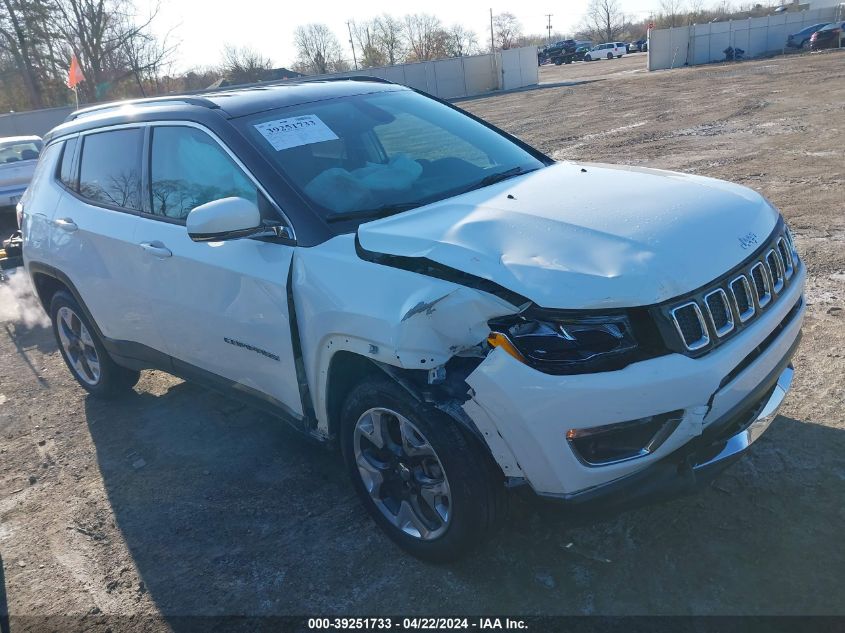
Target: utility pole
549,28
352,44
492,39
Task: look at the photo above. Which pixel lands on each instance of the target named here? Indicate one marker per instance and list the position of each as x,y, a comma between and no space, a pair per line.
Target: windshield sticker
295,131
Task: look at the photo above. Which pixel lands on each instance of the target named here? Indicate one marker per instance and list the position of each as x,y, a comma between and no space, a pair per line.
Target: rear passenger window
65,173
189,168
110,168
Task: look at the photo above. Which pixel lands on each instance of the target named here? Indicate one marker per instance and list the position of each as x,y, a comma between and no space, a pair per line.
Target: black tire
112,379
558,61
478,498
588,58
610,55
568,60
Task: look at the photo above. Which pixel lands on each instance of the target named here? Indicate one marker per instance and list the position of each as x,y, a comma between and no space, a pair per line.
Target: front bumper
523,414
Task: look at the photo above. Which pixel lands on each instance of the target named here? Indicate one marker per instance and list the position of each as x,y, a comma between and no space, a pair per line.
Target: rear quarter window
110,168
66,173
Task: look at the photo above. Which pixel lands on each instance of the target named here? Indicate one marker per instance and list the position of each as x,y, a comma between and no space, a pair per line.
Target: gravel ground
177,501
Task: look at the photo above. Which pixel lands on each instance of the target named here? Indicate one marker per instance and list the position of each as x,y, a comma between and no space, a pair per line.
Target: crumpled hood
606,237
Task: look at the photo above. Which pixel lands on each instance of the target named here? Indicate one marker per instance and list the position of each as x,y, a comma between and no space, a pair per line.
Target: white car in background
608,50
18,156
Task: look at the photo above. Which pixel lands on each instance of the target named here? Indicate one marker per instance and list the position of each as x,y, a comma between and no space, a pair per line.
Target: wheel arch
48,280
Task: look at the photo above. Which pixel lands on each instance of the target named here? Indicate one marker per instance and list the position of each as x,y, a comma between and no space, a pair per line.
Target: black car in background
562,52
828,37
802,37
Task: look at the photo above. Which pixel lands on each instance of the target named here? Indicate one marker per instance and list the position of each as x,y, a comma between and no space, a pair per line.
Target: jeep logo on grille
748,240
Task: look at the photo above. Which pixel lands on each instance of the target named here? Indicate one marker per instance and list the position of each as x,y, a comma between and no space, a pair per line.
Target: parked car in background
830,36
801,39
562,52
639,46
608,50
18,157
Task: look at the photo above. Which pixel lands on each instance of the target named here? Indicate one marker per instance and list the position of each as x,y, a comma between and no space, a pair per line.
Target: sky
203,27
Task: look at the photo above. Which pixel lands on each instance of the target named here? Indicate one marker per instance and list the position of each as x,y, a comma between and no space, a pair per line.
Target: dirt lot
177,501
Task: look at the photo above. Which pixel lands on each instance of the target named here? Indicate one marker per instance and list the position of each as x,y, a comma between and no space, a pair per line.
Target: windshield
373,155
17,151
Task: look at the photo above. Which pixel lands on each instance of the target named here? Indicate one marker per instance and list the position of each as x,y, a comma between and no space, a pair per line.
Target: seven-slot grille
738,298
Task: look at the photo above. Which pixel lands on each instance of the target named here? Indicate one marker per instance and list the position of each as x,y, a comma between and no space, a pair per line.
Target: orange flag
74,75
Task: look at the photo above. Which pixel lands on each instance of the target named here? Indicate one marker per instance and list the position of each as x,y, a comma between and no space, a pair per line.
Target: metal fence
444,78
704,43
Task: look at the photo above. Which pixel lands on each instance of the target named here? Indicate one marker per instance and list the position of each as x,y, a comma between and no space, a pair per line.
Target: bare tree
461,41
507,29
366,38
243,65
604,20
672,12
317,48
391,42
425,36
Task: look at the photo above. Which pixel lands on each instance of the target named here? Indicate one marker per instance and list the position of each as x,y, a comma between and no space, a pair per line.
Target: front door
222,307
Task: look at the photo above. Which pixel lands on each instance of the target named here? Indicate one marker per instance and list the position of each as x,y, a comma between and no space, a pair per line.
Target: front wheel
587,58
610,55
83,351
424,481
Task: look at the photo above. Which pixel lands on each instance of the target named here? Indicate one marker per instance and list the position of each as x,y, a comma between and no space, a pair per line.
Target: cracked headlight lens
567,345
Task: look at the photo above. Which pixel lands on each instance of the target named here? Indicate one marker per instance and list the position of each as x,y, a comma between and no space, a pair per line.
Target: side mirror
224,219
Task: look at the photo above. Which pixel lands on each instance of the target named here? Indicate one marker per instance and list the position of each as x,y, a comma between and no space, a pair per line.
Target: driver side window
189,168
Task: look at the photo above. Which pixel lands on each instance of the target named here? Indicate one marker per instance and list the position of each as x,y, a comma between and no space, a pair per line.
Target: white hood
602,238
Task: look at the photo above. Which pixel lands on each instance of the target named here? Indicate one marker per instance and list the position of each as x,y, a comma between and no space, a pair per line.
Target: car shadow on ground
226,511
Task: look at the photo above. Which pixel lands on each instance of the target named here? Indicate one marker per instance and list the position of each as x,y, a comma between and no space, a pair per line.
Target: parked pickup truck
459,314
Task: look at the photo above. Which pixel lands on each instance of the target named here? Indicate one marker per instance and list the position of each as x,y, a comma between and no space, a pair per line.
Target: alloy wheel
402,473
78,346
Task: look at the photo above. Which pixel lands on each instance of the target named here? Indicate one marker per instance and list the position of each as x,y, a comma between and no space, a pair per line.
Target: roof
8,140
243,100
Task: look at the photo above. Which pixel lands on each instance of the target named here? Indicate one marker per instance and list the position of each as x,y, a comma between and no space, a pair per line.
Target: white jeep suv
455,311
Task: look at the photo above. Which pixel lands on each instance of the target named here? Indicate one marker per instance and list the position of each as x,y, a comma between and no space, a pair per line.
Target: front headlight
567,345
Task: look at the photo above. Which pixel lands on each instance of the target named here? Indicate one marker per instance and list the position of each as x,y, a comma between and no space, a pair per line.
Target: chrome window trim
728,328
766,298
705,338
780,281
789,267
743,316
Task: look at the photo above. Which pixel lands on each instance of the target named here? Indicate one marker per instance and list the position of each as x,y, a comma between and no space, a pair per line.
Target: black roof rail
379,80
114,105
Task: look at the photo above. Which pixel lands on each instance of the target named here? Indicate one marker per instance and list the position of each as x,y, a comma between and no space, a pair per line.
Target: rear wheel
83,351
610,55
588,58
429,486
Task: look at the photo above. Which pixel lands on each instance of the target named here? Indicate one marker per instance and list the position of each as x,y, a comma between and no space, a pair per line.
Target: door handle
66,224
156,248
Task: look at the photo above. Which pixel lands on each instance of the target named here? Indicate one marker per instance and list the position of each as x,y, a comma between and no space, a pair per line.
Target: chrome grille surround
776,270
717,301
730,303
764,293
786,257
695,343
747,298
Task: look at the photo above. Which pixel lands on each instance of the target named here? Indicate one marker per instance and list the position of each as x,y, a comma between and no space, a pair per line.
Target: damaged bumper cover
726,399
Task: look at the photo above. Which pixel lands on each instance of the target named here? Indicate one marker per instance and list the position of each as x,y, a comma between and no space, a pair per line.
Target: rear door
222,307
93,232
